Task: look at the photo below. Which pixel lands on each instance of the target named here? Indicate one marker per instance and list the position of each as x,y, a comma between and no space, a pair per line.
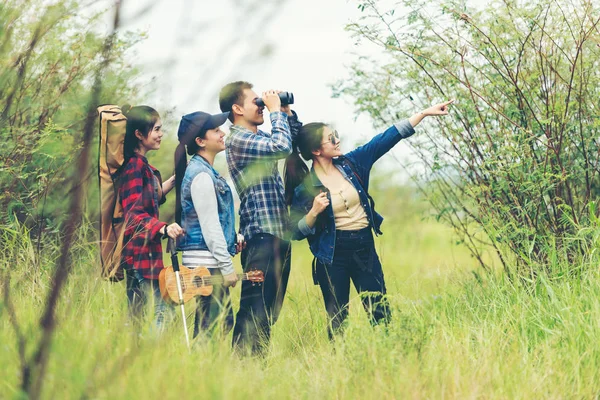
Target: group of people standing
328,204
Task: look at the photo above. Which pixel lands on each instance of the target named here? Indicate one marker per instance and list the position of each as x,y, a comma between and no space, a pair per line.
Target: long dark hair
140,118
181,165
308,140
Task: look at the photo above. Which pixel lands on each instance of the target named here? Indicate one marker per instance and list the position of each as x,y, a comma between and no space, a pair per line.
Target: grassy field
451,336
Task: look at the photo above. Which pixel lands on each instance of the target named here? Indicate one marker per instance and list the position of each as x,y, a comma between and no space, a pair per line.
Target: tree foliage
517,165
48,55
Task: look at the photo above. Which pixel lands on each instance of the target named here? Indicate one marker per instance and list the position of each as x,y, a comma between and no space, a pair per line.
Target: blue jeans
140,293
354,259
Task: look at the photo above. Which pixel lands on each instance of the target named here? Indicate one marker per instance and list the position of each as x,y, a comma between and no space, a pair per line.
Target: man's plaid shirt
252,160
138,193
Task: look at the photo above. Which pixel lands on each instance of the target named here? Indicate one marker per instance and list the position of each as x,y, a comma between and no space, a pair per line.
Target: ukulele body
196,281
192,283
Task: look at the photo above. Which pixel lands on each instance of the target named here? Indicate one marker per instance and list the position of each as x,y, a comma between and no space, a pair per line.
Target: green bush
516,167
49,52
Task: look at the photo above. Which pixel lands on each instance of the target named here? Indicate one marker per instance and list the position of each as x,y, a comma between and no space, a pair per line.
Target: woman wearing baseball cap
205,211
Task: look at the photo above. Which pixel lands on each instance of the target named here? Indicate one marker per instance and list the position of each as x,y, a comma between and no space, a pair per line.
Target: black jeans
354,259
260,304
214,313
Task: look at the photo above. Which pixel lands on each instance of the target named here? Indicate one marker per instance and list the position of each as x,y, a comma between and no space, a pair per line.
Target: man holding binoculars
252,157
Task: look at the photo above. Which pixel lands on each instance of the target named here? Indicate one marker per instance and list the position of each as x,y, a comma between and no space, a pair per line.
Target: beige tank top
348,212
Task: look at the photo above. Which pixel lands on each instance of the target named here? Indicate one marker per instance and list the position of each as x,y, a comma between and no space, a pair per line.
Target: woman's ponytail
189,130
308,140
180,166
295,171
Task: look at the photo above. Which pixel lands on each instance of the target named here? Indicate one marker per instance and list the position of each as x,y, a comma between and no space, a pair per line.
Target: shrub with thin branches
517,166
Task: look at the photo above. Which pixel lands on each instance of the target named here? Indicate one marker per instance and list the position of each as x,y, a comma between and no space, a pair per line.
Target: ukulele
195,282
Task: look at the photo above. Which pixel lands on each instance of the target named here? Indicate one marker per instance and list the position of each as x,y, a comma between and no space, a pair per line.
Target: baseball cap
193,124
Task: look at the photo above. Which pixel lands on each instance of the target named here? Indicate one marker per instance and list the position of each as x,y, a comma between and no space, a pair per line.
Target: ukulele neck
215,279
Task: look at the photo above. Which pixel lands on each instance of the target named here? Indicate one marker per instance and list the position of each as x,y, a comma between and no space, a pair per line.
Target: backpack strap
314,271
353,169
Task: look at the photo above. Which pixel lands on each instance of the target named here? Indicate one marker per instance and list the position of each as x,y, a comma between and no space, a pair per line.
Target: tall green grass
452,335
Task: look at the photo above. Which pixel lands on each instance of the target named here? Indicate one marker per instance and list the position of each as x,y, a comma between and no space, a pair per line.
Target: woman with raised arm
332,208
206,212
141,190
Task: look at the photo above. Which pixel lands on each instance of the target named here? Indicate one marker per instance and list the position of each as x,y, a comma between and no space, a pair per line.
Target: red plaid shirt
142,249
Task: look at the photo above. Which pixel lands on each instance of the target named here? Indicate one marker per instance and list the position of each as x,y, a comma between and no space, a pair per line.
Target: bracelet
165,235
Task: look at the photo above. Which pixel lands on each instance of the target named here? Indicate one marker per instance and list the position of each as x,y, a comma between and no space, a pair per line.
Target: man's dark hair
232,93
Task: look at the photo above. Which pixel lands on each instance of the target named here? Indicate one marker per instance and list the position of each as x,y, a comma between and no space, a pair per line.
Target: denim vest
193,239
355,166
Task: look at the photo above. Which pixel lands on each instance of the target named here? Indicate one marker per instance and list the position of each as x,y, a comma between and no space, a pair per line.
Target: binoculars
286,98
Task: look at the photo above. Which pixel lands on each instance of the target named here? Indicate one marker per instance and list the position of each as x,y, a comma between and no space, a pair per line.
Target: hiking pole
172,248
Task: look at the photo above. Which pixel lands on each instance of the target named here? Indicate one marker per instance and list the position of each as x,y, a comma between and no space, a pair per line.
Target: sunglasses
334,138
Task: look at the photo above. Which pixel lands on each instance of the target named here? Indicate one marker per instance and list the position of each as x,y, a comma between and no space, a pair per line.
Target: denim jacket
355,166
193,239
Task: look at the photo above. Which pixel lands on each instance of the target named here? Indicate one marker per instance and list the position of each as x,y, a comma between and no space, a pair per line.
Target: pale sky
187,58
194,47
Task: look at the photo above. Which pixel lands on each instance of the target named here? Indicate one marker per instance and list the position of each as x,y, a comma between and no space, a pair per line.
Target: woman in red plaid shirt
141,190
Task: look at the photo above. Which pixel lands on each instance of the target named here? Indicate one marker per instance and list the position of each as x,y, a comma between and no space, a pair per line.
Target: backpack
112,124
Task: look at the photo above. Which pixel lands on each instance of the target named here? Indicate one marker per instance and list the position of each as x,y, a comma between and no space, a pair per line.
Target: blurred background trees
48,57
516,168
